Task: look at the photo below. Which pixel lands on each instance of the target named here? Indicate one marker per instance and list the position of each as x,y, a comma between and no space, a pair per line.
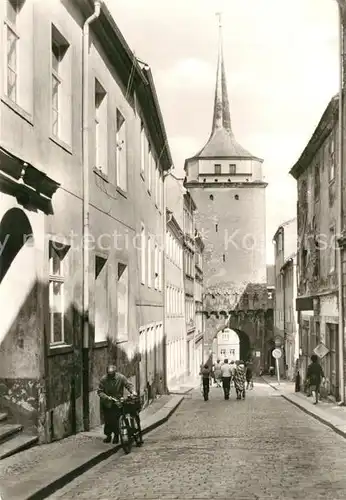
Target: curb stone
320,419
62,481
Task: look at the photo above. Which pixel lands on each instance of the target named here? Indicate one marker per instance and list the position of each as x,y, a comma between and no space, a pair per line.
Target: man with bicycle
112,385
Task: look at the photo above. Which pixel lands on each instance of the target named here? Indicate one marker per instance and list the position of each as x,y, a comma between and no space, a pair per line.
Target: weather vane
219,14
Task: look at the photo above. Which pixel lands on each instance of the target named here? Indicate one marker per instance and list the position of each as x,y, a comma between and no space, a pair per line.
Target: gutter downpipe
86,202
340,212
164,294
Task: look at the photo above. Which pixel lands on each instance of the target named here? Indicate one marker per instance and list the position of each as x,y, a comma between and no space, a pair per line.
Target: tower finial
221,117
219,15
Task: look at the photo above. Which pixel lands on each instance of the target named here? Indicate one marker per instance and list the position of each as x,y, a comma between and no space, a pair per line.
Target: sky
281,62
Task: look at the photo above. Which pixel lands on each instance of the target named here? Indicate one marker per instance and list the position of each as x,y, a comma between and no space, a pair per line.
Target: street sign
277,353
321,350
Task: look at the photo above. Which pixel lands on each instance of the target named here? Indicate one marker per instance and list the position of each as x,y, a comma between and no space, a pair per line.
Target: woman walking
249,376
239,380
217,373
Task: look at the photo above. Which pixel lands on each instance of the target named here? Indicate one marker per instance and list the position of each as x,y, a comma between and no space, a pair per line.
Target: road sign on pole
277,353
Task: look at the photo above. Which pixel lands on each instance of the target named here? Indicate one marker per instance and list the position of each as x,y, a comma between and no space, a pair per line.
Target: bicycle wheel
136,432
125,434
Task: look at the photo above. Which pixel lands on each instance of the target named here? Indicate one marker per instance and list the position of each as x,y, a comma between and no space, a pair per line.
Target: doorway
332,358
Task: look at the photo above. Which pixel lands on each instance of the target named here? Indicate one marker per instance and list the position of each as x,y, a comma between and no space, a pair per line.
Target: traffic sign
277,353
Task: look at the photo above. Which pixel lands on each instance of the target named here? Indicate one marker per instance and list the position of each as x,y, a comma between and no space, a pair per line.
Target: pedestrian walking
217,373
226,374
239,380
314,377
249,375
205,373
233,367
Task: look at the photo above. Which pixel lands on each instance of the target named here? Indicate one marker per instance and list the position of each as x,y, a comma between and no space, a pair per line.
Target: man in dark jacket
315,376
112,384
205,373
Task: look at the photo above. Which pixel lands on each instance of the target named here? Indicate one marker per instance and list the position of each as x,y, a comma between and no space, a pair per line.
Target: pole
277,369
86,202
340,211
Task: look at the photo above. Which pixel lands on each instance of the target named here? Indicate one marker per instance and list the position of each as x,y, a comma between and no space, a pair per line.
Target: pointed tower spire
222,117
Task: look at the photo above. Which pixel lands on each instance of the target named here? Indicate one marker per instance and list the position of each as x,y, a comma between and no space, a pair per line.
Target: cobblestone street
260,448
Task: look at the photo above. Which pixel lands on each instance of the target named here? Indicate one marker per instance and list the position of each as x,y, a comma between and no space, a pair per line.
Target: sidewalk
327,413
38,472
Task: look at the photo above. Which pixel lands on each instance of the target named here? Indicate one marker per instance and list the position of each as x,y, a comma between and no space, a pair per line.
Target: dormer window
232,168
217,167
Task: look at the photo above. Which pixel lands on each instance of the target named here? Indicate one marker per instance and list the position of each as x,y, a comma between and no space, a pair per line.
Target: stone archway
233,344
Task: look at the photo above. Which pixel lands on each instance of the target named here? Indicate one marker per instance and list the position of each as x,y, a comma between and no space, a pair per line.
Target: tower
226,183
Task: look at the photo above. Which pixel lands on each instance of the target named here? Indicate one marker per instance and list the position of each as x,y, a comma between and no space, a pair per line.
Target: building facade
228,187
176,347
56,338
317,278
285,316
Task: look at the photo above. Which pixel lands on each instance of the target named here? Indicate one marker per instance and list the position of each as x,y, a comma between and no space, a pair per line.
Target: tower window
204,180
215,180
232,168
236,197
211,197
216,227
224,257
217,167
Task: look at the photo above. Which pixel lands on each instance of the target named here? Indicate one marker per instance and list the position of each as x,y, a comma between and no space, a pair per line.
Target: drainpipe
340,212
86,202
164,297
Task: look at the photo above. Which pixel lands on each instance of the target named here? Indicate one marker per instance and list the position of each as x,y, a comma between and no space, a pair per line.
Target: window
332,246
149,262
156,263
157,180
122,301
143,255
332,162
217,168
12,49
216,228
159,204
57,253
317,183
160,271
144,148
101,129
61,87
232,169
121,151
101,299
18,64
150,170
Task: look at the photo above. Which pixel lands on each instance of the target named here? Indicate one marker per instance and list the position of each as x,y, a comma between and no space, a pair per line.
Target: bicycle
129,428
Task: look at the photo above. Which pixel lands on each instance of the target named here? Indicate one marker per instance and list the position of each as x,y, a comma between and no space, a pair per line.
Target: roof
127,67
322,131
283,225
222,143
